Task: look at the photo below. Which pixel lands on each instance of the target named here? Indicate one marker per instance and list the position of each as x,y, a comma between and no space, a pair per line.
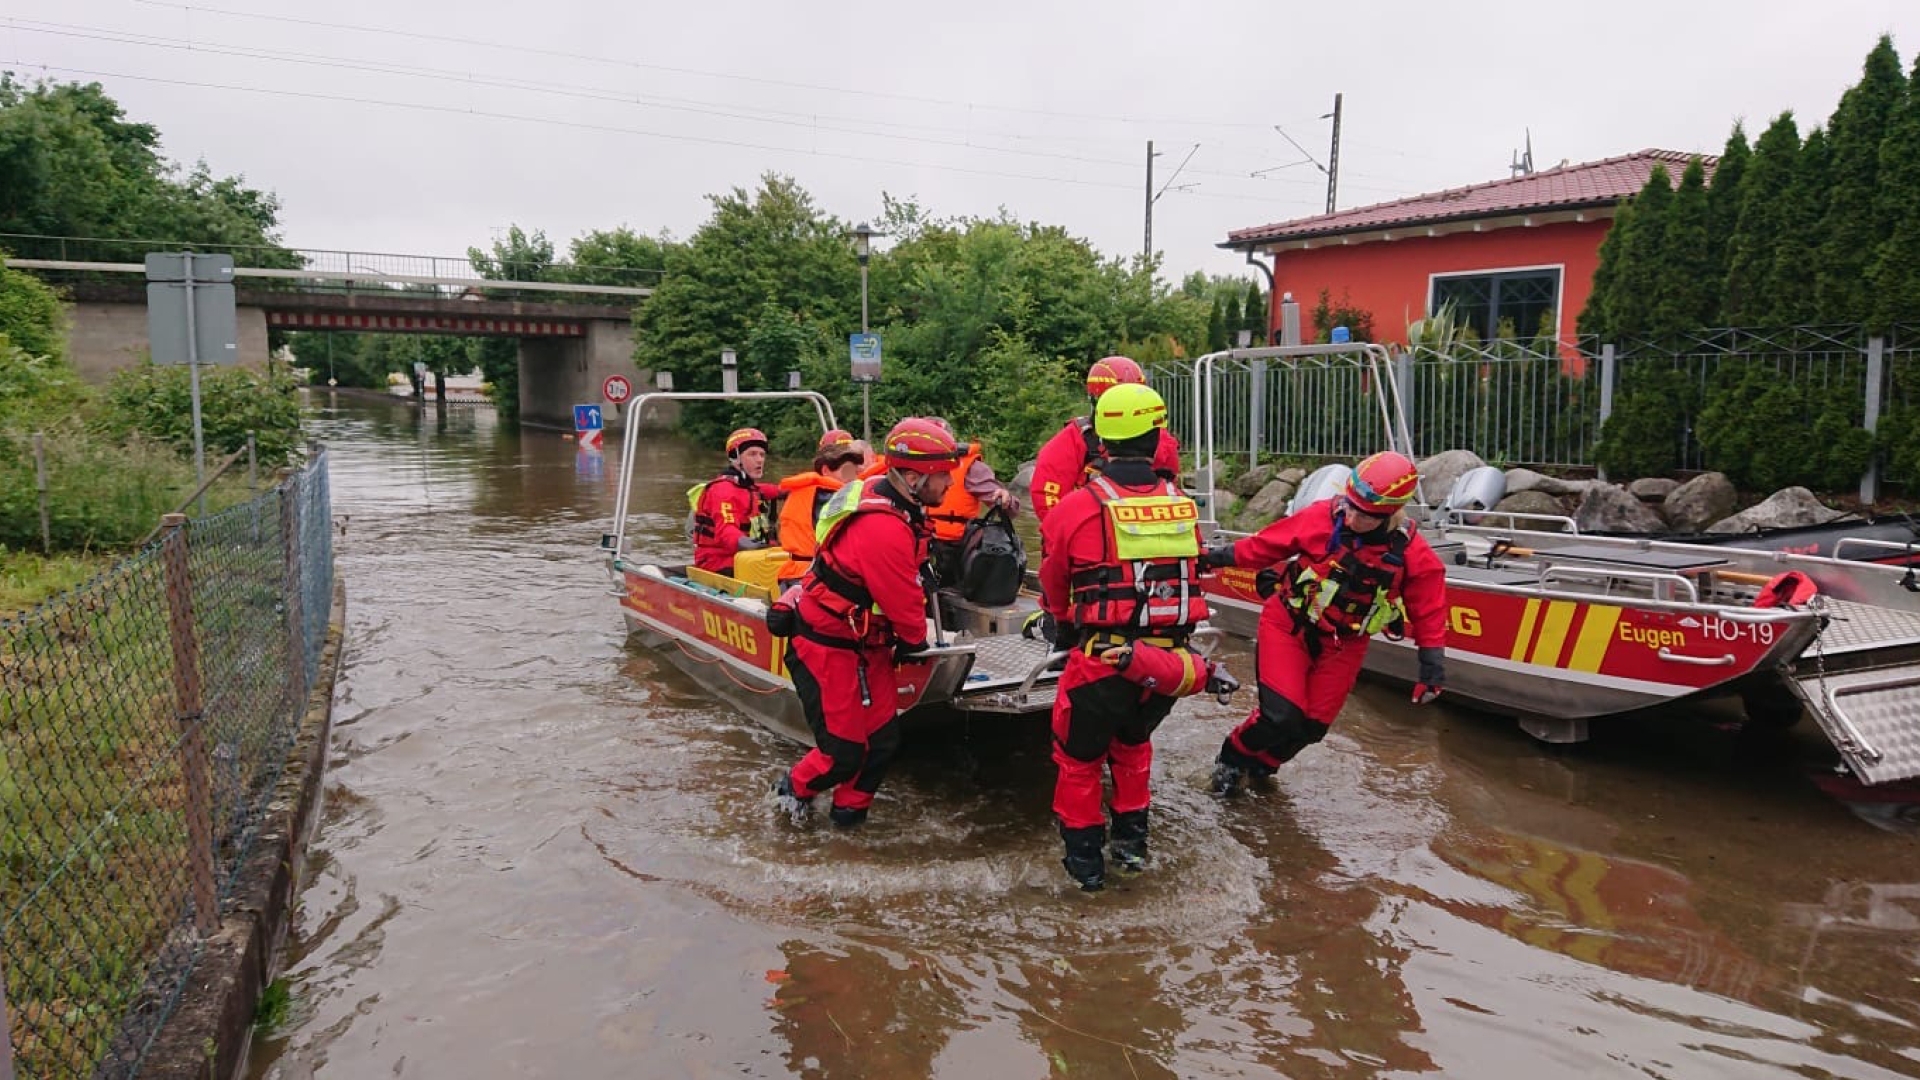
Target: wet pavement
546,852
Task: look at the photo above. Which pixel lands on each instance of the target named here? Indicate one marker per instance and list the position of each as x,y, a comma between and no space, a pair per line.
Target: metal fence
145,719
1536,404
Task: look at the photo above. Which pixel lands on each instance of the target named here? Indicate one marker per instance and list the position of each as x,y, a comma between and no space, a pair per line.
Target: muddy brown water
546,852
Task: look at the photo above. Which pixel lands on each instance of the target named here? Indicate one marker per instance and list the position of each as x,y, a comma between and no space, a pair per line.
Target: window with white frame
1484,299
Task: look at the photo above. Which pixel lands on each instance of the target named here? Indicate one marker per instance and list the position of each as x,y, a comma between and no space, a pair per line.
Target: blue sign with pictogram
587,423
864,350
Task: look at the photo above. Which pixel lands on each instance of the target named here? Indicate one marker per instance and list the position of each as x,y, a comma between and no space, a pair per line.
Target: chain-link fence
145,719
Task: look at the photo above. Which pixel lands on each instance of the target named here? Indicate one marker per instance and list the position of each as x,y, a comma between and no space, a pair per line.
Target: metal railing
145,720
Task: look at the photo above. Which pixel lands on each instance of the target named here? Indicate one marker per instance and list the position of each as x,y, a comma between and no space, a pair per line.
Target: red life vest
828,583
1147,579
1349,591
704,529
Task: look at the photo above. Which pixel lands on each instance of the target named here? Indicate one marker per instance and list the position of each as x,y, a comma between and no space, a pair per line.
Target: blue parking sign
586,418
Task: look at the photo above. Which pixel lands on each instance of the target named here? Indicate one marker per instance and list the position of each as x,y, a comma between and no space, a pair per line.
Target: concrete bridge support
558,373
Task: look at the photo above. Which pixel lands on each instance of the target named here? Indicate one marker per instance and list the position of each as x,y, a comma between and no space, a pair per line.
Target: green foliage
30,314
615,257
1723,209
1895,272
345,358
1216,327
1796,265
1254,313
1766,431
100,494
1851,229
37,391
1749,297
1636,286
1689,295
1645,434
155,402
1327,315
1233,320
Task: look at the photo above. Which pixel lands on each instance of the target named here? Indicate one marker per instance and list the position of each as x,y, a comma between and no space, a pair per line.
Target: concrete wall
558,373
105,337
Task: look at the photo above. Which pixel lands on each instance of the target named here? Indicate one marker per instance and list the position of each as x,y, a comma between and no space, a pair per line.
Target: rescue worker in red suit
1069,458
862,610
1120,582
730,511
1333,575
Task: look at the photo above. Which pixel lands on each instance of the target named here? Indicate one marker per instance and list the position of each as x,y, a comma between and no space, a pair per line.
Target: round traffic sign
616,389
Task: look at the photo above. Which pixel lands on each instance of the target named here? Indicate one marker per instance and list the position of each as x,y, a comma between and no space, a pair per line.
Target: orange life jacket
801,510
1148,577
960,506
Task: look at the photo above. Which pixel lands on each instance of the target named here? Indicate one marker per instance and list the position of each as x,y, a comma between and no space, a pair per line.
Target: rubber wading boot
1260,777
1084,862
1130,840
797,808
846,817
1227,779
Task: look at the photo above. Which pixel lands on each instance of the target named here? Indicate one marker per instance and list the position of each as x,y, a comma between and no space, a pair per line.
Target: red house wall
1389,278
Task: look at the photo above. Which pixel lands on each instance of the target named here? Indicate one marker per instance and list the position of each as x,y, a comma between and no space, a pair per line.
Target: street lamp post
863,249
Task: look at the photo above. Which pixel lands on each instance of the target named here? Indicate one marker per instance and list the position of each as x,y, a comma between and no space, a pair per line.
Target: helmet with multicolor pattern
1382,483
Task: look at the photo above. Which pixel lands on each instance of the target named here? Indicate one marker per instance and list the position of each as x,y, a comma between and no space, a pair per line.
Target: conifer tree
1851,230
1592,322
1230,318
1687,297
1895,273
1756,232
1639,278
1216,327
1723,210
1790,290
1256,313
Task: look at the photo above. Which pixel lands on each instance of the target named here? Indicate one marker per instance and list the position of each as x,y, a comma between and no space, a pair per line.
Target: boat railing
1841,545
615,542
1654,579
1445,519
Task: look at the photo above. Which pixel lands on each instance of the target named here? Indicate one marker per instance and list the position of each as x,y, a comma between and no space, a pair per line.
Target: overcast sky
422,127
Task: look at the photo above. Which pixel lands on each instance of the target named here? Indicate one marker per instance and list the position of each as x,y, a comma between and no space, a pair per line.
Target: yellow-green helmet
1128,411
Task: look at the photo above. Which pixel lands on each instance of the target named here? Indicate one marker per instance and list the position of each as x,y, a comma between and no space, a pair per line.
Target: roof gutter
1256,243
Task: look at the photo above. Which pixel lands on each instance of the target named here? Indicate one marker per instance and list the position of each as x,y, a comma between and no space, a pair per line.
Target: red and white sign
616,389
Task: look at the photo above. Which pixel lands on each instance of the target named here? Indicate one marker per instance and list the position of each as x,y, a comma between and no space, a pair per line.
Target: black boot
846,817
795,807
1130,840
1232,768
1084,863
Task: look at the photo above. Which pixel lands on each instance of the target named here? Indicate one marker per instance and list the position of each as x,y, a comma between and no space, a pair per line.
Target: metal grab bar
1703,661
1548,573
1204,640
1840,545
1026,685
1455,518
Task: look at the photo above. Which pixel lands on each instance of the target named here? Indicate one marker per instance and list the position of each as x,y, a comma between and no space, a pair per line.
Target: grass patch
28,579
276,1004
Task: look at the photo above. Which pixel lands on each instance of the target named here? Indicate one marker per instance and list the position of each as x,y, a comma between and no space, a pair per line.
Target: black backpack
992,560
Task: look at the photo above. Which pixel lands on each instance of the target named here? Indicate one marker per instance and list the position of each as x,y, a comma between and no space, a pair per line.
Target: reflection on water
547,852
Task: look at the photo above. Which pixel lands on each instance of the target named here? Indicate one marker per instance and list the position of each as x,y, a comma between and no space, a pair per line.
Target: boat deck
1857,628
1001,663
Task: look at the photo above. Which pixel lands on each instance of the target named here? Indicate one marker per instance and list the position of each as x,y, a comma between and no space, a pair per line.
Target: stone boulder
1269,503
1293,474
1528,502
1606,508
1438,472
1783,509
1249,484
1652,489
1699,502
1519,480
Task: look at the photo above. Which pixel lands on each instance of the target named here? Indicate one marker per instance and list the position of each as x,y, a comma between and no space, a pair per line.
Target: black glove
1267,582
748,543
1221,683
1040,625
1433,674
1219,553
904,653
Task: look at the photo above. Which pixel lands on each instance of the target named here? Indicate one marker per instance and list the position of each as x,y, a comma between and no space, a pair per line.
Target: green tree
1851,229
1646,434
1216,327
1689,295
518,256
155,402
1593,319
31,316
615,257
1770,175
1723,212
1255,313
1232,318
1635,290
1791,295
1895,273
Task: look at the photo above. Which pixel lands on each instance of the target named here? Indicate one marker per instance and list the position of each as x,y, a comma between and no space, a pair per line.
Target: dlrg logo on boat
728,632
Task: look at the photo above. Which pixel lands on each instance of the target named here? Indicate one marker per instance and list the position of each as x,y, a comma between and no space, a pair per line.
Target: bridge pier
558,373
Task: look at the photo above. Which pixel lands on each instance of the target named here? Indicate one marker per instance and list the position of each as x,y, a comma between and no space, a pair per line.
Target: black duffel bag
992,560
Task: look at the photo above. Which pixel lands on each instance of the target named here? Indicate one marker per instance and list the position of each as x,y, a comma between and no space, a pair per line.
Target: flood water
546,852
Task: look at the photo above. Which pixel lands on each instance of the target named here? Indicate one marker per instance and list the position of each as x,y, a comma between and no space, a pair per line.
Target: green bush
1644,435
100,494
31,315
1766,431
156,402
37,391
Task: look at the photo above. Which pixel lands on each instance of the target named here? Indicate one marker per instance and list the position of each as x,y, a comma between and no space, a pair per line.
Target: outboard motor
1322,484
1476,489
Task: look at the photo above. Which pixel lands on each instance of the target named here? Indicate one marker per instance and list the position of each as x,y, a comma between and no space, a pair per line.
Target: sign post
864,350
587,426
191,321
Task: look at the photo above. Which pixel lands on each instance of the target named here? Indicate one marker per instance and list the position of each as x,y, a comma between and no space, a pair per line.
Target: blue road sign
586,418
865,351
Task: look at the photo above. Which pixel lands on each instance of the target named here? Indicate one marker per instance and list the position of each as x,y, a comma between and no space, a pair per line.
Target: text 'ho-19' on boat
1560,630
714,627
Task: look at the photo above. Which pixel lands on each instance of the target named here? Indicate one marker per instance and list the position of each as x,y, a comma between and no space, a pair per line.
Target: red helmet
1382,483
920,445
835,441
744,438
1110,372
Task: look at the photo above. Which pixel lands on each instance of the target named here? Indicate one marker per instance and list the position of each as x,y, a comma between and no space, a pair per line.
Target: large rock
1438,472
1249,485
1292,474
1652,489
1519,480
1783,509
1270,503
1699,502
1528,502
1606,508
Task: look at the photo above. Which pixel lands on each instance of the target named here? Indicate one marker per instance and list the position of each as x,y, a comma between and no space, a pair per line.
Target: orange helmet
920,445
1382,483
835,441
1110,372
744,438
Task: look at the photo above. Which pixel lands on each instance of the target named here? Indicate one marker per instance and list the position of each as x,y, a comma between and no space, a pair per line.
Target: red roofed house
1510,249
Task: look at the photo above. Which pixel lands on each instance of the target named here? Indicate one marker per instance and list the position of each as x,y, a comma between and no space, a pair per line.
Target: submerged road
548,853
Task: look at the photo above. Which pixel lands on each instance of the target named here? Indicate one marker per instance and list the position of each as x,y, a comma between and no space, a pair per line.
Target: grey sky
433,125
